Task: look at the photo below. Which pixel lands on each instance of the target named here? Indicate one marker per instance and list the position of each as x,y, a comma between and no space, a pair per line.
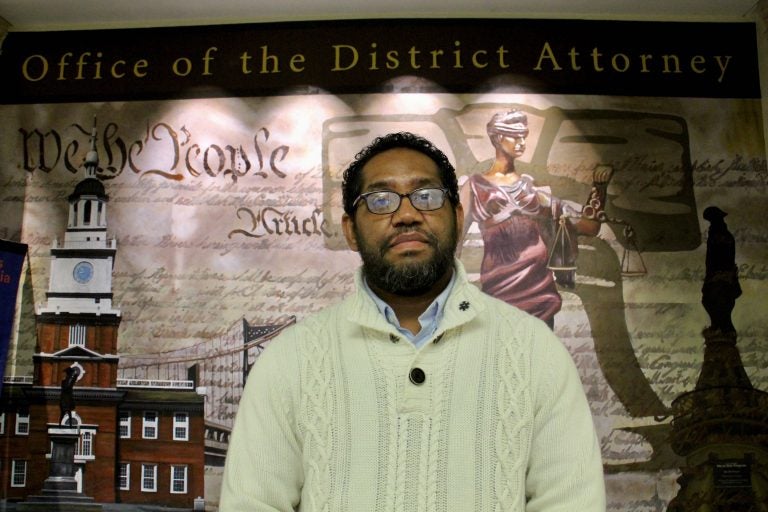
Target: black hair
352,178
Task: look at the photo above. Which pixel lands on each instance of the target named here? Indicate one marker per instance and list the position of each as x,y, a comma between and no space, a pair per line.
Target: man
419,392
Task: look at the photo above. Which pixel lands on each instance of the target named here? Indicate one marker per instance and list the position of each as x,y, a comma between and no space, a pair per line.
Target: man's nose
406,214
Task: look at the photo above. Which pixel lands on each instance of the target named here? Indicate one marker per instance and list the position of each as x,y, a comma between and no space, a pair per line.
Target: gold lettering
295,62
414,53
644,58
62,63
619,67
393,61
596,60
476,62
81,64
97,73
244,58
373,66
547,55
207,58
266,59
43,71
177,66
675,63
574,54
113,69
502,54
435,55
457,53
722,65
337,48
139,67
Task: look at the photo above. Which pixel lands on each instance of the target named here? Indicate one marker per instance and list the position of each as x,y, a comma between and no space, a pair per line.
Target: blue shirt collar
429,319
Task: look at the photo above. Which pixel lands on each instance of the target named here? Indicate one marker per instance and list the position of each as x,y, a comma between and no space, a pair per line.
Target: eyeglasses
383,202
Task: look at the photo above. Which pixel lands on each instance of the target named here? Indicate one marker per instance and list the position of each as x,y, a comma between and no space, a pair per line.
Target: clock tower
139,441
78,323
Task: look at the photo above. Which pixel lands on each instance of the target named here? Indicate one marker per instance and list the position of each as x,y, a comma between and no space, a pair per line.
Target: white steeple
81,269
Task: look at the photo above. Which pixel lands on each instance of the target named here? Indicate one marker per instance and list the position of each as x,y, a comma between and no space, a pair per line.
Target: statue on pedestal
721,282
67,400
721,427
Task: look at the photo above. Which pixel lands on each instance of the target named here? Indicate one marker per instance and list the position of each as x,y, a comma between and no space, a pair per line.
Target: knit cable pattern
513,402
318,406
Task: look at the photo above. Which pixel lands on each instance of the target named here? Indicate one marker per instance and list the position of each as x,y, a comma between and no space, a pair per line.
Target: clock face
83,272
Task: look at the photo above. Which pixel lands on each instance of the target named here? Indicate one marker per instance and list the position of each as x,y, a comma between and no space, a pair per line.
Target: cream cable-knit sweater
330,421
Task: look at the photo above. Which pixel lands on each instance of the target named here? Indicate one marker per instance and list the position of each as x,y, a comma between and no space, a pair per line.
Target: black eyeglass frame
364,198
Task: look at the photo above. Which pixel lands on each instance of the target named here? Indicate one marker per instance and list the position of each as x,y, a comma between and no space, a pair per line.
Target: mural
226,215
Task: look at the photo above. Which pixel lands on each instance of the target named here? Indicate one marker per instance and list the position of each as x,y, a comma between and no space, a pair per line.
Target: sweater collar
461,306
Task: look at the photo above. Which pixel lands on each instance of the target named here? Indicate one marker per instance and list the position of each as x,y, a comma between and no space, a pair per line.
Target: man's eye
379,200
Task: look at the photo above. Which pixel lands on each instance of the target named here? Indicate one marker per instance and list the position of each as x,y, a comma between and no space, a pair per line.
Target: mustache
431,238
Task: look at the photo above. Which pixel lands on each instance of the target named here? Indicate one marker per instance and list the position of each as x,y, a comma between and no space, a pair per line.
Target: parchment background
199,251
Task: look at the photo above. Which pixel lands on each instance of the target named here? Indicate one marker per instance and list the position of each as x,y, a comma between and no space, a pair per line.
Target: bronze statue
721,282
67,402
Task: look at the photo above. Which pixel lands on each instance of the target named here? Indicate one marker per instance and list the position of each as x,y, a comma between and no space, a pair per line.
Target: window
125,424
22,423
87,213
178,479
125,476
18,473
150,425
2,422
85,444
149,477
181,426
77,335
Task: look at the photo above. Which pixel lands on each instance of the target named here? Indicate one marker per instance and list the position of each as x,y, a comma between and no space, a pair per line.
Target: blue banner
12,256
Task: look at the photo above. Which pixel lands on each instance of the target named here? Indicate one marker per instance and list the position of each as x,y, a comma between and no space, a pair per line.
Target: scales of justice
632,263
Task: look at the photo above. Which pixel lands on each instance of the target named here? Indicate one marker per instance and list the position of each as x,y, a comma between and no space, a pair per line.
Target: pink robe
514,226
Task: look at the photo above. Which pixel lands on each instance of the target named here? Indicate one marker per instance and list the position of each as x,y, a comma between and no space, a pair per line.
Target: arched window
87,213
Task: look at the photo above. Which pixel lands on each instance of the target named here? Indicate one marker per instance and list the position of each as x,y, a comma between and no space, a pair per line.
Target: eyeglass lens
386,201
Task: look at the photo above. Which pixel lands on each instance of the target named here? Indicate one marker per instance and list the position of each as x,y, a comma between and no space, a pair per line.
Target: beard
407,279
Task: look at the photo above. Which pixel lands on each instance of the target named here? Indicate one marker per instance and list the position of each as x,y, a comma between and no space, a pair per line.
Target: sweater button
417,376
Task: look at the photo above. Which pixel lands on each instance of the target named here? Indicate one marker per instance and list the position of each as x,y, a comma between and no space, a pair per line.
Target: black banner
715,60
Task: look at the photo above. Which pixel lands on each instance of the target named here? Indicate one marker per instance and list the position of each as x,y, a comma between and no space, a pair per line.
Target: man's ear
459,211
348,226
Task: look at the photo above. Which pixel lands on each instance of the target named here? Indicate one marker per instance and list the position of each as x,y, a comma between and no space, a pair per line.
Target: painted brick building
140,441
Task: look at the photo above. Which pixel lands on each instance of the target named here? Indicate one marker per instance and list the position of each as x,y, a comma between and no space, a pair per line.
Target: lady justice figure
521,223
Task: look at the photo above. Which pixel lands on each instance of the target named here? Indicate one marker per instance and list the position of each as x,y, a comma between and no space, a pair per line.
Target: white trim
182,480
23,474
155,383
148,425
77,335
124,421
124,478
87,439
153,477
179,425
19,422
18,379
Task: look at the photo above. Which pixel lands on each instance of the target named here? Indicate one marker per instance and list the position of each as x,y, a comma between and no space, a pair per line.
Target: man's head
406,233
352,179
